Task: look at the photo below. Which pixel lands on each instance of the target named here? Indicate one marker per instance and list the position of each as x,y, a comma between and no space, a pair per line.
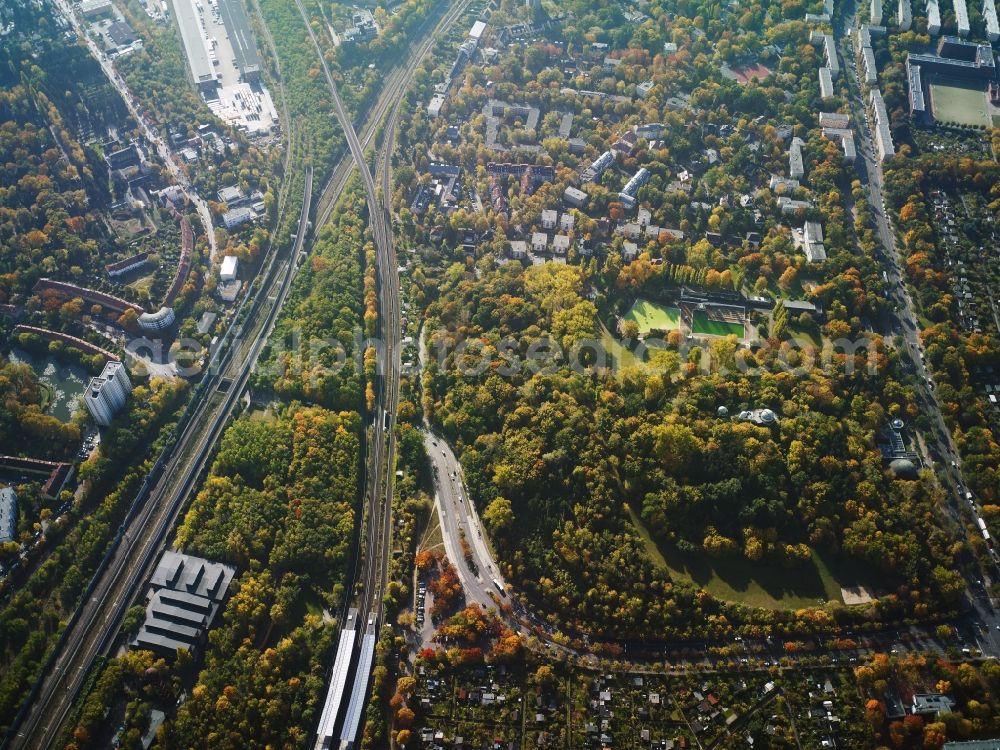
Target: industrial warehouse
224,63
185,594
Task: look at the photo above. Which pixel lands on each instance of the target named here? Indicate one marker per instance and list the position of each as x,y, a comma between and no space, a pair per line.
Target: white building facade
107,393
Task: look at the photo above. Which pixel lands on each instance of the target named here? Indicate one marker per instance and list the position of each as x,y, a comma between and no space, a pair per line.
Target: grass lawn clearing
737,579
953,102
432,537
617,354
650,316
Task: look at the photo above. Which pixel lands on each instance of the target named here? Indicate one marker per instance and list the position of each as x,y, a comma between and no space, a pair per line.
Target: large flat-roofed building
575,197
933,17
931,704
830,50
955,48
962,18
918,104
957,58
825,83
194,45
476,32
434,106
650,130
990,17
628,194
810,239
796,167
8,515
834,120
883,134
876,12
234,17
864,36
868,63
596,169
95,9
185,594
790,206
107,393
904,15
229,268
122,34
237,217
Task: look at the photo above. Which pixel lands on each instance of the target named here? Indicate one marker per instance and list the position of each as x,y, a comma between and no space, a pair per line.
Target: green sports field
702,324
650,316
957,103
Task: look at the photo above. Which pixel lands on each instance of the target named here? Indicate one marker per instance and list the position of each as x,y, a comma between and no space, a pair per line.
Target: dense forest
587,477
312,354
277,504
554,456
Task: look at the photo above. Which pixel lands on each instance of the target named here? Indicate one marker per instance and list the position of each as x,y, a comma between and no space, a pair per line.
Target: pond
64,383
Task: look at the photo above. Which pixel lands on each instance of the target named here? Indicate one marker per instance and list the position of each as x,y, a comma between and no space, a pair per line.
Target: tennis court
650,316
701,323
952,102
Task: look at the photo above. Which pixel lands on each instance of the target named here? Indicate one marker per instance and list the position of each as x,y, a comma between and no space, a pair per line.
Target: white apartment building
107,393
904,15
933,17
990,16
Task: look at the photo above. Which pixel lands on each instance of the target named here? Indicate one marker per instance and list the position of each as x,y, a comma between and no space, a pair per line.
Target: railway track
95,624
394,87
371,562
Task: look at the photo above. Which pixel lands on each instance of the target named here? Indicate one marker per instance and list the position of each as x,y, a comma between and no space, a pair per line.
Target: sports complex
698,313
711,322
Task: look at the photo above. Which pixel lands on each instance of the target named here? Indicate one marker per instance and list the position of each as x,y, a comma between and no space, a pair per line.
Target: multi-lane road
904,322
482,580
